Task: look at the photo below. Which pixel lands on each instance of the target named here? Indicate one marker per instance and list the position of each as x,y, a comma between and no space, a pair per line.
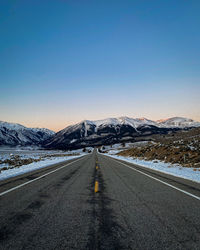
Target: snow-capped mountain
114,130
133,122
91,133
14,134
179,122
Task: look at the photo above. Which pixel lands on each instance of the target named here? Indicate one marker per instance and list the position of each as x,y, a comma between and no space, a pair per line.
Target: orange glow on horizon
56,123
59,126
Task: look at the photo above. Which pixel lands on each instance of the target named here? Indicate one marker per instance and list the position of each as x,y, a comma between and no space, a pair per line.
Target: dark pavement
130,210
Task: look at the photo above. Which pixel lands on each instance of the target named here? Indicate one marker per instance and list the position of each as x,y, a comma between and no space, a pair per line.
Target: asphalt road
97,202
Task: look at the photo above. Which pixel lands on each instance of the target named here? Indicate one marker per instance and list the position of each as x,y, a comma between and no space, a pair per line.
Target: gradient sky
69,60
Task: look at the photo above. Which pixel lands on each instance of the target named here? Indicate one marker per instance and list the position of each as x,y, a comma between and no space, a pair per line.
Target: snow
16,126
135,123
34,166
5,153
13,126
16,134
178,122
74,140
48,157
87,127
172,169
80,151
44,130
116,148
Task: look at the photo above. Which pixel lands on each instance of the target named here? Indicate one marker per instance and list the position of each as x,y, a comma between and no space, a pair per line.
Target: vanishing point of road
97,202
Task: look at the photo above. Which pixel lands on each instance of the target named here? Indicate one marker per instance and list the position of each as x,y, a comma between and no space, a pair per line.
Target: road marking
96,187
165,183
28,182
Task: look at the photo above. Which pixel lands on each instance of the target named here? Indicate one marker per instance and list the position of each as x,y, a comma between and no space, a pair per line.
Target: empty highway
96,202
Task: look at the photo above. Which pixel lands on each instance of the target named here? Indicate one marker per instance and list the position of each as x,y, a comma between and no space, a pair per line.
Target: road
97,202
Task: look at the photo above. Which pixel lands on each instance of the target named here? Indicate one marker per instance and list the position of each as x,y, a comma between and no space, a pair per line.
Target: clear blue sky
69,60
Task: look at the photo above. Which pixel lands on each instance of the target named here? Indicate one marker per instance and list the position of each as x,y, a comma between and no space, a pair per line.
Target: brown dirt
181,147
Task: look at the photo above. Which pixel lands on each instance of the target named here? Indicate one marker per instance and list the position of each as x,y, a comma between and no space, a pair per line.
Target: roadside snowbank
172,169
34,166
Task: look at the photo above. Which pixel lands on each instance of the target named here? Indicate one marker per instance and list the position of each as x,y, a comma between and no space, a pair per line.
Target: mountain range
91,133
114,130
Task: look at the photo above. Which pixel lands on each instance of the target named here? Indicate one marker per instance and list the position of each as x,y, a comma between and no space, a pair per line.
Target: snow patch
167,168
34,166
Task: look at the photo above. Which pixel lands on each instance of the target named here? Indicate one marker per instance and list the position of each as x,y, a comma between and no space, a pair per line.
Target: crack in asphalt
104,230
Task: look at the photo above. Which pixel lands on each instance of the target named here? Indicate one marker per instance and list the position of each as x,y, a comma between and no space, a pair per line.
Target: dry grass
16,161
182,148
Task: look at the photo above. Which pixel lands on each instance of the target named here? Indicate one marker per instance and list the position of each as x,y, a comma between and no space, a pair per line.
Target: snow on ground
126,145
25,154
80,151
33,166
172,169
46,160
7,153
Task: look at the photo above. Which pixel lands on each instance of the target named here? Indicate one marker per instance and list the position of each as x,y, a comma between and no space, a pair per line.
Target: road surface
97,202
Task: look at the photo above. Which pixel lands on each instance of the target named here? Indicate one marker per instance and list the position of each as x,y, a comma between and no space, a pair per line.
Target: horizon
157,120
98,59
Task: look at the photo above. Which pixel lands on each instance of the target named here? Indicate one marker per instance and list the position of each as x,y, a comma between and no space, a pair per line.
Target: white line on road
28,182
165,183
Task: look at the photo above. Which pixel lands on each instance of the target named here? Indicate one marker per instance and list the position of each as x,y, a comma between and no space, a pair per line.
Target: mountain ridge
14,134
91,133
114,130
181,121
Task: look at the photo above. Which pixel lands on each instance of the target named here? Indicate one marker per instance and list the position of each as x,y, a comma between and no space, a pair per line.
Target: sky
64,61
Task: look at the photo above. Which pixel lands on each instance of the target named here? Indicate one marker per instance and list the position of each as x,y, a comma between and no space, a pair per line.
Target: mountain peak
114,130
178,122
14,134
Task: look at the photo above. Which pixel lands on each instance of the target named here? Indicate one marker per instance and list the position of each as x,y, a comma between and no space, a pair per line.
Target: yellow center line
96,187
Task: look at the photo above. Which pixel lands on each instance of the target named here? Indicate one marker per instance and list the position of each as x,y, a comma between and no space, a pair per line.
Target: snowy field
6,153
45,158
127,145
172,169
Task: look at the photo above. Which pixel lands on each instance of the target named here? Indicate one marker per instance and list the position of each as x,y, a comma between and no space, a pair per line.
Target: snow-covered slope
113,122
14,134
133,122
179,122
